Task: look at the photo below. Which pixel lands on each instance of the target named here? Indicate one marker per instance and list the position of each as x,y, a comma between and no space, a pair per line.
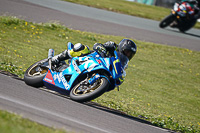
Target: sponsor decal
99,61
133,49
89,65
107,62
60,79
49,78
76,67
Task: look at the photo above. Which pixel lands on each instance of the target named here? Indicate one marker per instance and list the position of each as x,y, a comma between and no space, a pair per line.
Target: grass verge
12,123
130,8
162,83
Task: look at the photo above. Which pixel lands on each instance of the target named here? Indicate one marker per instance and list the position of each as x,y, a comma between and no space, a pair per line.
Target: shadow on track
189,34
140,118
192,35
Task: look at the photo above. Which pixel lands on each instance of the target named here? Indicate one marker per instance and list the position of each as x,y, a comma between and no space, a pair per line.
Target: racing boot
56,60
173,24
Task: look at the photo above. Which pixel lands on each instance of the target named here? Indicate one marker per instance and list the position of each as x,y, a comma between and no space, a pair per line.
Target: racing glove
100,49
111,47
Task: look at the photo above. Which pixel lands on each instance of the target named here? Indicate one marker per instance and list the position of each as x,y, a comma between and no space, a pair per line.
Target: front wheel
167,21
83,92
35,73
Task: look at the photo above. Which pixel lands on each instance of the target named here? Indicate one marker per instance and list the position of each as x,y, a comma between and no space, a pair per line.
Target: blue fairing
82,65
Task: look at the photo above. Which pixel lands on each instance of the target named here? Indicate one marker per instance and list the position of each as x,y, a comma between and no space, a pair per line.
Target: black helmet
128,48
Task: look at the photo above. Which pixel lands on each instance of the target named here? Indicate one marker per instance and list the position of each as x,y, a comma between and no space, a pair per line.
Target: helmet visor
129,53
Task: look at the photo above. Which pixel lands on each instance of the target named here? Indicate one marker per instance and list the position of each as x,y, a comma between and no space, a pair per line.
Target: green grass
162,83
12,123
130,8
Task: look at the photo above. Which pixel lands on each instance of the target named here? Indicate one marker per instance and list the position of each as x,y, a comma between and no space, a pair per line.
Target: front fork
93,79
88,83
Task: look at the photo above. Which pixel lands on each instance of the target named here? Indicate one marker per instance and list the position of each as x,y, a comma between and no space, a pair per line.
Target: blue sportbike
83,78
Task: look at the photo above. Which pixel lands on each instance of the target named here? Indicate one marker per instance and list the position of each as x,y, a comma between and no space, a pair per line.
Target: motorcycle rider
193,15
126,49
196,5
78,50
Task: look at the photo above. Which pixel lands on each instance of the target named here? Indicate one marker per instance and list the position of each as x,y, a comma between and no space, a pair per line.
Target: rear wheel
35,73
167,21
83,92
187,25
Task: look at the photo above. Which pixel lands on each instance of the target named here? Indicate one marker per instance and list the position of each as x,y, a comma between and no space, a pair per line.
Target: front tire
35,73
101,85
167,21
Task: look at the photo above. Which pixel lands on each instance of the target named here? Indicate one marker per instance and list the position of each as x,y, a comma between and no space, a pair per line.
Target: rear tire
167,21
33,76
187,26
91,94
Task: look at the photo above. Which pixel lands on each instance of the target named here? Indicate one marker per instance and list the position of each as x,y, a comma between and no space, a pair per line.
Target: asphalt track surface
61,112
